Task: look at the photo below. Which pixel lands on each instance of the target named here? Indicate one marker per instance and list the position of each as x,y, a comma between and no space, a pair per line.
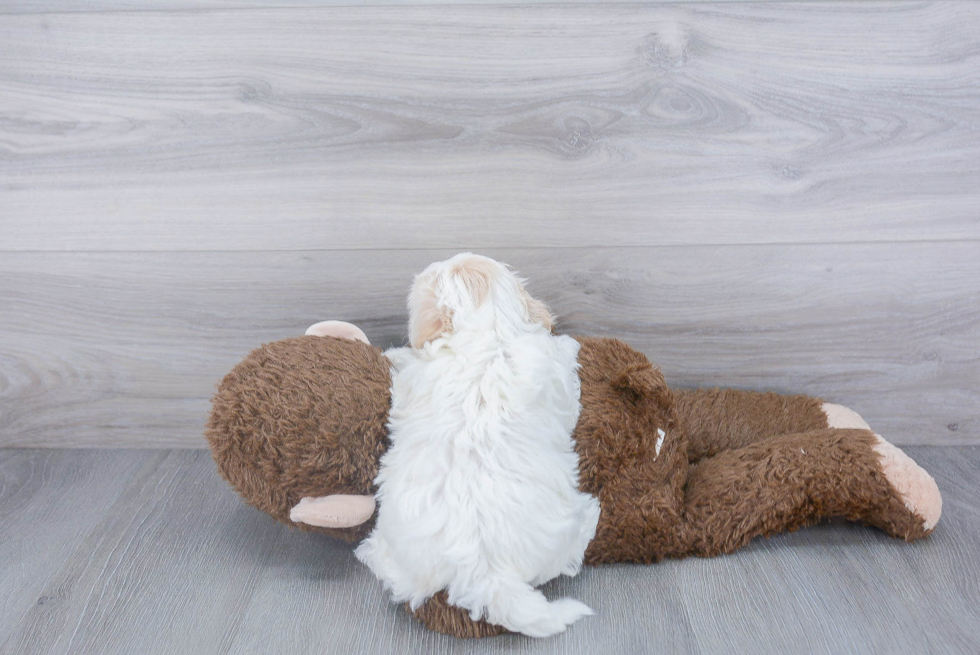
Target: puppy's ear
537,311
477,275
426,319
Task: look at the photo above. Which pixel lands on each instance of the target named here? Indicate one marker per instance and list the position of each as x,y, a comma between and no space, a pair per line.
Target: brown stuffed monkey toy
298,429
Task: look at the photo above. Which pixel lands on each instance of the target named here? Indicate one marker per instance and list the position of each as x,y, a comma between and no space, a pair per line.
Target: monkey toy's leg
723,419
787,481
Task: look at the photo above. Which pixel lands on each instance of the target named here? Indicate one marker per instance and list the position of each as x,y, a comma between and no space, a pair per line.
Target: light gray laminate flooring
149,551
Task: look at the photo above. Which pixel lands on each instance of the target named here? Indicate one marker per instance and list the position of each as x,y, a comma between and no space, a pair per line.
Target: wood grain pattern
49,502
171,537
490,126
124,349
73,6
175,563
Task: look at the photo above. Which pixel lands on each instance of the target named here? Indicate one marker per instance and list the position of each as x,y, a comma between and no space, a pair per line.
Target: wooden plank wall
777,196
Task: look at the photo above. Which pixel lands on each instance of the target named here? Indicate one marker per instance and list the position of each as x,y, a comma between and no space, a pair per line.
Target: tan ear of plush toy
339,329
298,429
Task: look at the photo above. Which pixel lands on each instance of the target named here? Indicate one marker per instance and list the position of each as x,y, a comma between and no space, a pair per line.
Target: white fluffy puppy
478,493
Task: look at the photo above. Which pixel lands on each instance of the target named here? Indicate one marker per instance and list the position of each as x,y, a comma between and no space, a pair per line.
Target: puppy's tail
519,607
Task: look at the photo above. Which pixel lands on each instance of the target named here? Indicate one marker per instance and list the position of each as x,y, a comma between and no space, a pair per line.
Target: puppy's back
479,490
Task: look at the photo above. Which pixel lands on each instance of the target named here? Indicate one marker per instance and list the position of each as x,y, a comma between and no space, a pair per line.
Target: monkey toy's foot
914,485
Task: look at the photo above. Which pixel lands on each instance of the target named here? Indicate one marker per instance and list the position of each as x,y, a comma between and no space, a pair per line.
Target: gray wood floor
142,551
778,196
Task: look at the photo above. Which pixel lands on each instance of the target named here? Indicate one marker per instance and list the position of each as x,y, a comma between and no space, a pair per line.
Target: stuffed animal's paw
839,416
916,487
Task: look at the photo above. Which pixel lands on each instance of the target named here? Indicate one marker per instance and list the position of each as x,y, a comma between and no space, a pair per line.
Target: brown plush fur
725,419
624,401
437,614
306,417
303,417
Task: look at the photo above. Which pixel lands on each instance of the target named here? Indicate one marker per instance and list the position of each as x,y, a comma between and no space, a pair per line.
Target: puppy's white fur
478,493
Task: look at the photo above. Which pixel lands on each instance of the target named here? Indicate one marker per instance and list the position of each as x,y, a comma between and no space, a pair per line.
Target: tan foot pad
839,416
916,487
